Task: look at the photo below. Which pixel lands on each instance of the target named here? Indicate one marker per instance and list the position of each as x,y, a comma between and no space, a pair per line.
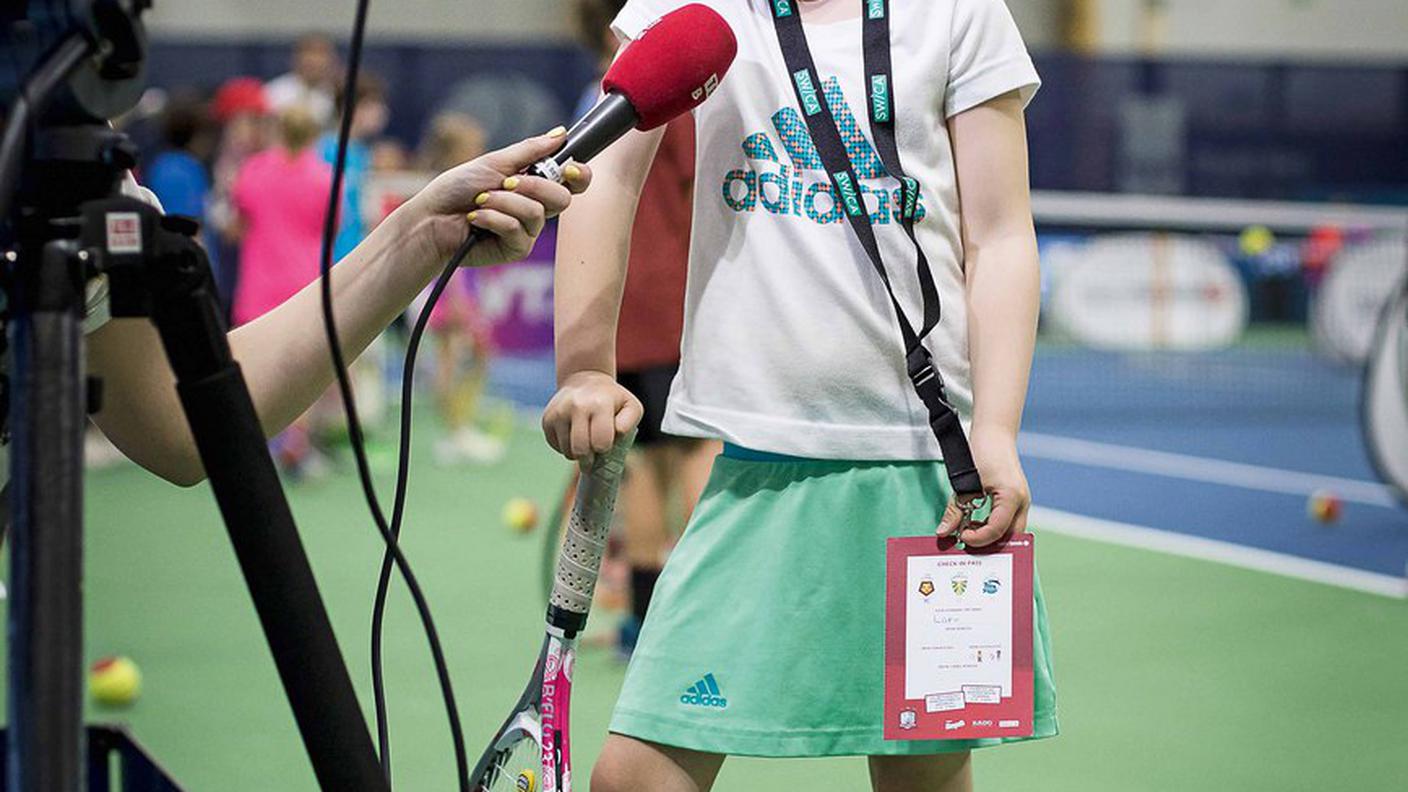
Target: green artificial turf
1172,674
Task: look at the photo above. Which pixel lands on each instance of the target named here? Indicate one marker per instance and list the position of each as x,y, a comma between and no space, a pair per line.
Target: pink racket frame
556,713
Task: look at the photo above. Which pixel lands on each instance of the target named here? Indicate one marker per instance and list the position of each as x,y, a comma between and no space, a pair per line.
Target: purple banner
517,299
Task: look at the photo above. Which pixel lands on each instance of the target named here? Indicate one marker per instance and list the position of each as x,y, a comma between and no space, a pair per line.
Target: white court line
1203,469
1227,553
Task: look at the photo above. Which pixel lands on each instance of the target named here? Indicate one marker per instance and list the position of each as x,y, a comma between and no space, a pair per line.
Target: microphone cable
389,532
403,463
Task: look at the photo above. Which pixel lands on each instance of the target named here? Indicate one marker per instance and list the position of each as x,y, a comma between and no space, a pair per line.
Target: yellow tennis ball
1256,240
115,681
520,514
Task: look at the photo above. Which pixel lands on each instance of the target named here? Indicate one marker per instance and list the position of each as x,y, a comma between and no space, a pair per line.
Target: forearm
1000,264
284,354
588,280
1004,298
592,253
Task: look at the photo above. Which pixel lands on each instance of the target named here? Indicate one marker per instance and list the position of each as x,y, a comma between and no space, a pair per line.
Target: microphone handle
612,117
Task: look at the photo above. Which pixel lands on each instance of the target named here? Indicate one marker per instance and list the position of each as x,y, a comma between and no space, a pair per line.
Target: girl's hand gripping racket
530,752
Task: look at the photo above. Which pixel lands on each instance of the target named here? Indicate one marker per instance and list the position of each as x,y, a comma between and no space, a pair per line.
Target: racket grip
579,560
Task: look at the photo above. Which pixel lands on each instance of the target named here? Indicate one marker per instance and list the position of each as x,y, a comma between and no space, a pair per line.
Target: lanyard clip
922,373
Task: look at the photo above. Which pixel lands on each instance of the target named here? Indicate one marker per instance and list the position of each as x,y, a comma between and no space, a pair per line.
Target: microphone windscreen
673,66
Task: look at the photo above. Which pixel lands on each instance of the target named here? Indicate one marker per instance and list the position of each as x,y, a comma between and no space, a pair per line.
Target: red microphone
670,69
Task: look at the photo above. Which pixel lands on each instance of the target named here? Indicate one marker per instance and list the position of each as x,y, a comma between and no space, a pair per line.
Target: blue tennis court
1219,441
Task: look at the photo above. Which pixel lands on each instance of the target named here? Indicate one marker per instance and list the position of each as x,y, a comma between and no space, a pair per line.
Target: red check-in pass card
958,640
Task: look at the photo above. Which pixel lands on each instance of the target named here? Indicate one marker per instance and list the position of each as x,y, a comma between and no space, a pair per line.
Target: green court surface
1173,674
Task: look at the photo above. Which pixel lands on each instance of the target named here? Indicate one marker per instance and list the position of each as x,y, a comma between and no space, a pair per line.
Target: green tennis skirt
766,632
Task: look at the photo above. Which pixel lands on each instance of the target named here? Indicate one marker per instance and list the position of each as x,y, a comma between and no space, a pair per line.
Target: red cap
239,95
673,66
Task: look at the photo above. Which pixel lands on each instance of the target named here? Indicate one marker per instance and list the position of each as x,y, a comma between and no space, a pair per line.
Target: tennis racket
530,752
1384,397
555,529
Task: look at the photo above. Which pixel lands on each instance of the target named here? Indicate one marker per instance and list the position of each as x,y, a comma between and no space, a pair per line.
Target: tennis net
1202,311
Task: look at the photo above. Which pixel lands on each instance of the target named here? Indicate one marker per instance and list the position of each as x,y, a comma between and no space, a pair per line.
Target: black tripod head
109,81
73,65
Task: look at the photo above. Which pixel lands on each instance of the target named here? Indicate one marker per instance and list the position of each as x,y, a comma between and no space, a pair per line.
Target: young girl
665,473
464,339
281,195
791,355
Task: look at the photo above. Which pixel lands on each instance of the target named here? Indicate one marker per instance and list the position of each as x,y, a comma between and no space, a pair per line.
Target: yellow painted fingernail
481,199
511,183
557,131
470,217
572,172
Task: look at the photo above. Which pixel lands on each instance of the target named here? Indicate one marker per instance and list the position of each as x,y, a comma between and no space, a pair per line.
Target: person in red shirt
663,468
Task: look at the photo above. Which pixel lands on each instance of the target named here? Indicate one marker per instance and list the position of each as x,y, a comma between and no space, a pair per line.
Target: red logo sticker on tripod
124,232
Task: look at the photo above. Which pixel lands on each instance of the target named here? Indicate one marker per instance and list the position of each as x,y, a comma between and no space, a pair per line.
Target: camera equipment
69,235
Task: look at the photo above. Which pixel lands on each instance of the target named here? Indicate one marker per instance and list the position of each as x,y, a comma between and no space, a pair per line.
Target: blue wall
1258,130
418,75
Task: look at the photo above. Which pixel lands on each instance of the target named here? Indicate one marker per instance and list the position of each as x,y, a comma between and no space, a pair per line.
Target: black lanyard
821,123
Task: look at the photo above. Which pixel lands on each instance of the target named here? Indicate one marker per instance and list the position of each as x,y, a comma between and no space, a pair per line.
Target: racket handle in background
579,560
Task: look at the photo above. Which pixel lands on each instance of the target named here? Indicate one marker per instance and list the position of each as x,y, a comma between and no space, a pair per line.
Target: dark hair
183,120
370,88
593,18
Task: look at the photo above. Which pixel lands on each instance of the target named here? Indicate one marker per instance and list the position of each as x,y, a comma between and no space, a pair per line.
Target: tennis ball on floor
115,681
1324,506
520,514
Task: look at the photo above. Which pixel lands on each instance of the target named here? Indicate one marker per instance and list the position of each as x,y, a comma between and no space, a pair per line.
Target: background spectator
389,156
241,110
463,336
313,81
369,118
281,196
178,174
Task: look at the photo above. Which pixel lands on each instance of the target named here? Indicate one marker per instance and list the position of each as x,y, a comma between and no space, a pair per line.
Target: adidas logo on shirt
704,693
802,188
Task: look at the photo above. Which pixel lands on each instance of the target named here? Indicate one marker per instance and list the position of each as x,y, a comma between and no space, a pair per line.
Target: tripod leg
46,747
251,499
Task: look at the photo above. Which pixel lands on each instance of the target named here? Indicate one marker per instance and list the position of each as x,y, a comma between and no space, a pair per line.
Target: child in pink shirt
282,197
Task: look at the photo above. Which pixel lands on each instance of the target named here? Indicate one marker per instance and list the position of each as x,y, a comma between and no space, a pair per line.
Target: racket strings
516,768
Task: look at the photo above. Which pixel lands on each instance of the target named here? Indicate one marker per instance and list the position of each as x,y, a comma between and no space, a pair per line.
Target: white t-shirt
790,344
288,90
